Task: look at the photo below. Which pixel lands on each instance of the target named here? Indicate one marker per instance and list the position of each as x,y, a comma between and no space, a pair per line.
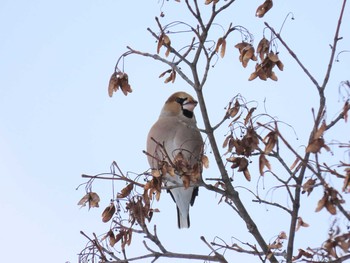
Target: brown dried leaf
124,83
160,42
92,198
301,254
253,76
84,200
218,44
316,145
223,48
119,236
263,48
241,46
243,164
273,76
165,72
233,111
280,65
273,57
271,140
226,141
320,131
113,84
247,174
112,240
331,208
205,161
125,191
301,223
329,246
262,163
249,115
264,8
308,186
108,213
322,202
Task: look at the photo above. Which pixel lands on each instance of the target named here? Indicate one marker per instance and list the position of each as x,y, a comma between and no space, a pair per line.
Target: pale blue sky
57,121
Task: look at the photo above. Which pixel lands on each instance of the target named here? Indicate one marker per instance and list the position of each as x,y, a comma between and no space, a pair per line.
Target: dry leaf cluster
318,142
334,242
119,80
278,242
91,198
124,235
246,53
164,40
331,198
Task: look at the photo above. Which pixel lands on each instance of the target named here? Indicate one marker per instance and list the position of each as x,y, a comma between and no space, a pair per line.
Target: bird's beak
190,105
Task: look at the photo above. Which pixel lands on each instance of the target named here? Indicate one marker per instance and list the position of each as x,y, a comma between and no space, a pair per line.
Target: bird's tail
183,218
183,198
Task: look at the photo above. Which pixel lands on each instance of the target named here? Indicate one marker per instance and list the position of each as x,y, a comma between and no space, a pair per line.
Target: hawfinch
176,129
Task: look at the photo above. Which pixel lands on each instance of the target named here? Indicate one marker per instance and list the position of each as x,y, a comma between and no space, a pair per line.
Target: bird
175,134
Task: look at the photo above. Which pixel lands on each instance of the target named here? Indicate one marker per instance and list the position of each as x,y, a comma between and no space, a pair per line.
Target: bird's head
180,104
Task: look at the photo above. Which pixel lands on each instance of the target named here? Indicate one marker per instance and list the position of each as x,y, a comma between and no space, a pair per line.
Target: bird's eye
181,100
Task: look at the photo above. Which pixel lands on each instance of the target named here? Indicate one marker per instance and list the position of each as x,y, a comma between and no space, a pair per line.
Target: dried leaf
125,191
320,131
331,207
316,145
108,213
263,48
280,65
232,112
264,8
262,163
84,200
160,42
249,116
92,198
273,76
301,223
113,84
243,164
273,57
322,202
247,174
226,141
308,186
301,254
271,140
205,161
165,72
223,48
329,246
112,240
218,44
